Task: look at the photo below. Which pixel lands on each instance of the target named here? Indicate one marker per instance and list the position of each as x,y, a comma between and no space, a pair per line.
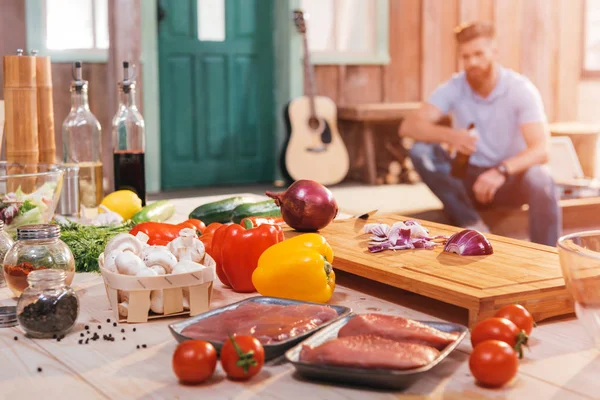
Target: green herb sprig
87,242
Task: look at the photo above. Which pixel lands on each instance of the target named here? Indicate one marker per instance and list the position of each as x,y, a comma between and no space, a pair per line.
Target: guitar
314,148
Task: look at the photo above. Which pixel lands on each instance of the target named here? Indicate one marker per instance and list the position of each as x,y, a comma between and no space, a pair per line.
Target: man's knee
539,181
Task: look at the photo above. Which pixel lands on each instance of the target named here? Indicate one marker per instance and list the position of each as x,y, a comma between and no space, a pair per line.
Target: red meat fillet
269,323
367,351
397,328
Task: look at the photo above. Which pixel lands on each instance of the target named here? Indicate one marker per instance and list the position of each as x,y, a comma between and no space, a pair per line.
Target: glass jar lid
8,316
46,276
37,232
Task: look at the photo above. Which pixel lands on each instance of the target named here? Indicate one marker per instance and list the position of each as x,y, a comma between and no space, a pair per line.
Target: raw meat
397,328
367,351
269,323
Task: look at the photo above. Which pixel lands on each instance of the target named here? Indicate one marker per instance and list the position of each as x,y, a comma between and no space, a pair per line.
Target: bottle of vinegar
128,140
82,142
460,163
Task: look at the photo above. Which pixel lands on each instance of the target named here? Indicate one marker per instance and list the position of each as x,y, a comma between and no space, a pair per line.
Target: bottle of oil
128,140
82,143
460,163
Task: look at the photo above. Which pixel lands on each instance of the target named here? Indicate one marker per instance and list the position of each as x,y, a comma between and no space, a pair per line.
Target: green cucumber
266,208
219,211
158,211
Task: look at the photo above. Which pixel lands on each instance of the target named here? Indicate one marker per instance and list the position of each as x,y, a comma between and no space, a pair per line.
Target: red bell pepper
253,222
161,233
237,250
207,237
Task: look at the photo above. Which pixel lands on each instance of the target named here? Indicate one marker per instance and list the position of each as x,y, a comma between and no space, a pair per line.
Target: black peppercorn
39,369
123,338
50,314
122,330
134,329
87,327
80,341
144,346
114,324
99,326
16,338
138,346
87,341
81,334
108,321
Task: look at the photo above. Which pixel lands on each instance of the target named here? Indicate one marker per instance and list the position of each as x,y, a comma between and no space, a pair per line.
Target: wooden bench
368,119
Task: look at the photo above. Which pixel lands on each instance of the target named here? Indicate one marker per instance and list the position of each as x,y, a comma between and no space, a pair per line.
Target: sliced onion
469,243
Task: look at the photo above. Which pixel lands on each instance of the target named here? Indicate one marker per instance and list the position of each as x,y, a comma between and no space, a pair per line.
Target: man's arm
422,126
536,137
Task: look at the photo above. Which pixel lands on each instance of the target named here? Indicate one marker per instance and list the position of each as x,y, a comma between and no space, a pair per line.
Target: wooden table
561,363
367,116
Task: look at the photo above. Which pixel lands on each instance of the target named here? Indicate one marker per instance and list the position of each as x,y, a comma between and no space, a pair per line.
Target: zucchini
158,211
219,211
266,208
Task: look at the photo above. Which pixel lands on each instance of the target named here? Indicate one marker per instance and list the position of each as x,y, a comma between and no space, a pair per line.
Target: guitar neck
309,73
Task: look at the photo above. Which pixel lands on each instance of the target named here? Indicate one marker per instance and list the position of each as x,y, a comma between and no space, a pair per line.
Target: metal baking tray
271,350
378,378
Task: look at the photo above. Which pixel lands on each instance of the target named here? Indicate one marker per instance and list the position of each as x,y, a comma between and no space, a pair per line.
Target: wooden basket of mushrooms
147,282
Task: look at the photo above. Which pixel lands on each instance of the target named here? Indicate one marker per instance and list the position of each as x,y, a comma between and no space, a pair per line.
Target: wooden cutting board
518,271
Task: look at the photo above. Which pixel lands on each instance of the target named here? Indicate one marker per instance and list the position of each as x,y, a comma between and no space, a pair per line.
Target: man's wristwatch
503,170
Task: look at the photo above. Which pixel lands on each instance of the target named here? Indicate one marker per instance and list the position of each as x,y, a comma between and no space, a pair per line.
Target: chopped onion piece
469,243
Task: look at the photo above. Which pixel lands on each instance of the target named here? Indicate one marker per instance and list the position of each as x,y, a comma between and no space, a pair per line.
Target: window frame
35,22
381,55
585,72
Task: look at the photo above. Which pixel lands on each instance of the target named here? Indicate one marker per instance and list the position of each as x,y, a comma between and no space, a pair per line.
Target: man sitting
508,153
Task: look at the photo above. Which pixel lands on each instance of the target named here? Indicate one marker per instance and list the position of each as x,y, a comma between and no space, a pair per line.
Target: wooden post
125,34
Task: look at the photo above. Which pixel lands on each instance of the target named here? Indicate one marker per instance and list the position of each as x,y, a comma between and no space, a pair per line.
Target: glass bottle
38,247
461,160
82,143
48,307
128,140
5,244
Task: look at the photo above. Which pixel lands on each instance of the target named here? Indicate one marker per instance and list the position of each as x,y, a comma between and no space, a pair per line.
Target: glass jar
37,247
6,243
48,307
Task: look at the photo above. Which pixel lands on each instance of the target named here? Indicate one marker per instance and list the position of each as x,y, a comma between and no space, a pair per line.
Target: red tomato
242,357
194,361
499,329
518,315
493,363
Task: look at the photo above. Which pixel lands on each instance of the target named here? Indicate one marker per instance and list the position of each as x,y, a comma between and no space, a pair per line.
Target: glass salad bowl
29,193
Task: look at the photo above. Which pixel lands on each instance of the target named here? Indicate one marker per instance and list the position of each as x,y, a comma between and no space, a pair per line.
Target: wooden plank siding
539,38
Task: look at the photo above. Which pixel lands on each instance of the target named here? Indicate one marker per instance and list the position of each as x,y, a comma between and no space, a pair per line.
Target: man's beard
477,77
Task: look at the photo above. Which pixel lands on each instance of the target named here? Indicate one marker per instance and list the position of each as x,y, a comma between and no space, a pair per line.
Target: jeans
534,187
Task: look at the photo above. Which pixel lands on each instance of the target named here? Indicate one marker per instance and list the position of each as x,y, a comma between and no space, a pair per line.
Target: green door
216,94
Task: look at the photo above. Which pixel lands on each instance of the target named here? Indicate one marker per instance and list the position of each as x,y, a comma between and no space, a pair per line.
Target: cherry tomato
194,361
518,315
242,357
493,363
499,329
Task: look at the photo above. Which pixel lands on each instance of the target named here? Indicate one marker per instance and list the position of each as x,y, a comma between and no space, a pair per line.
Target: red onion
469,243
306,205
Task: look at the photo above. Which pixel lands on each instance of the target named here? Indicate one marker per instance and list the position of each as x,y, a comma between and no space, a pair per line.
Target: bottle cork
45,110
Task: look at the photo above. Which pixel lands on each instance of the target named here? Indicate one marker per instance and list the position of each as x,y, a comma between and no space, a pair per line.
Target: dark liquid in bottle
130,173
461,162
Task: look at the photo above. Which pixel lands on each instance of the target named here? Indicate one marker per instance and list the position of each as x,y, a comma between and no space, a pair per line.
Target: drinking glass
579,255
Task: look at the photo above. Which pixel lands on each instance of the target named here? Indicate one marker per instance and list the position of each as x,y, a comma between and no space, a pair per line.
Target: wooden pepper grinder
20,102
45,110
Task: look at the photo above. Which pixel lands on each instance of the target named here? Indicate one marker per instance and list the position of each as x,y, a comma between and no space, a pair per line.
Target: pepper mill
45,110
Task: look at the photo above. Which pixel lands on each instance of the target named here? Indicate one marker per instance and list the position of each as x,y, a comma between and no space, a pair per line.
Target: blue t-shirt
513,102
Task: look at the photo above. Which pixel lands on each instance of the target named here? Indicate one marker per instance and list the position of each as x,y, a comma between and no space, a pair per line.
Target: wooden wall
539,38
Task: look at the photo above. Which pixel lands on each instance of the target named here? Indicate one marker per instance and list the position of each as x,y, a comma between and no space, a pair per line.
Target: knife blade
367,214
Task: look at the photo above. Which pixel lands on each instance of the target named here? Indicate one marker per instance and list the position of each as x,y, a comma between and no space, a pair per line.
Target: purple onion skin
306,206
469,243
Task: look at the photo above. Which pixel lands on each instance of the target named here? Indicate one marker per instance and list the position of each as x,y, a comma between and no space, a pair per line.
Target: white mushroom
124,242
160,256
149,249
186,298
185,266
188,240
101,260
142,237
157,302
129,264
124,309
158,269
109,261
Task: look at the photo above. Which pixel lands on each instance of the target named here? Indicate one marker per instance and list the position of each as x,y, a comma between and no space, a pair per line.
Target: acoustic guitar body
315,149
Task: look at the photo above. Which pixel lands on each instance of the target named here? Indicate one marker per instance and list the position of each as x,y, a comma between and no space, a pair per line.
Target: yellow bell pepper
299,268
